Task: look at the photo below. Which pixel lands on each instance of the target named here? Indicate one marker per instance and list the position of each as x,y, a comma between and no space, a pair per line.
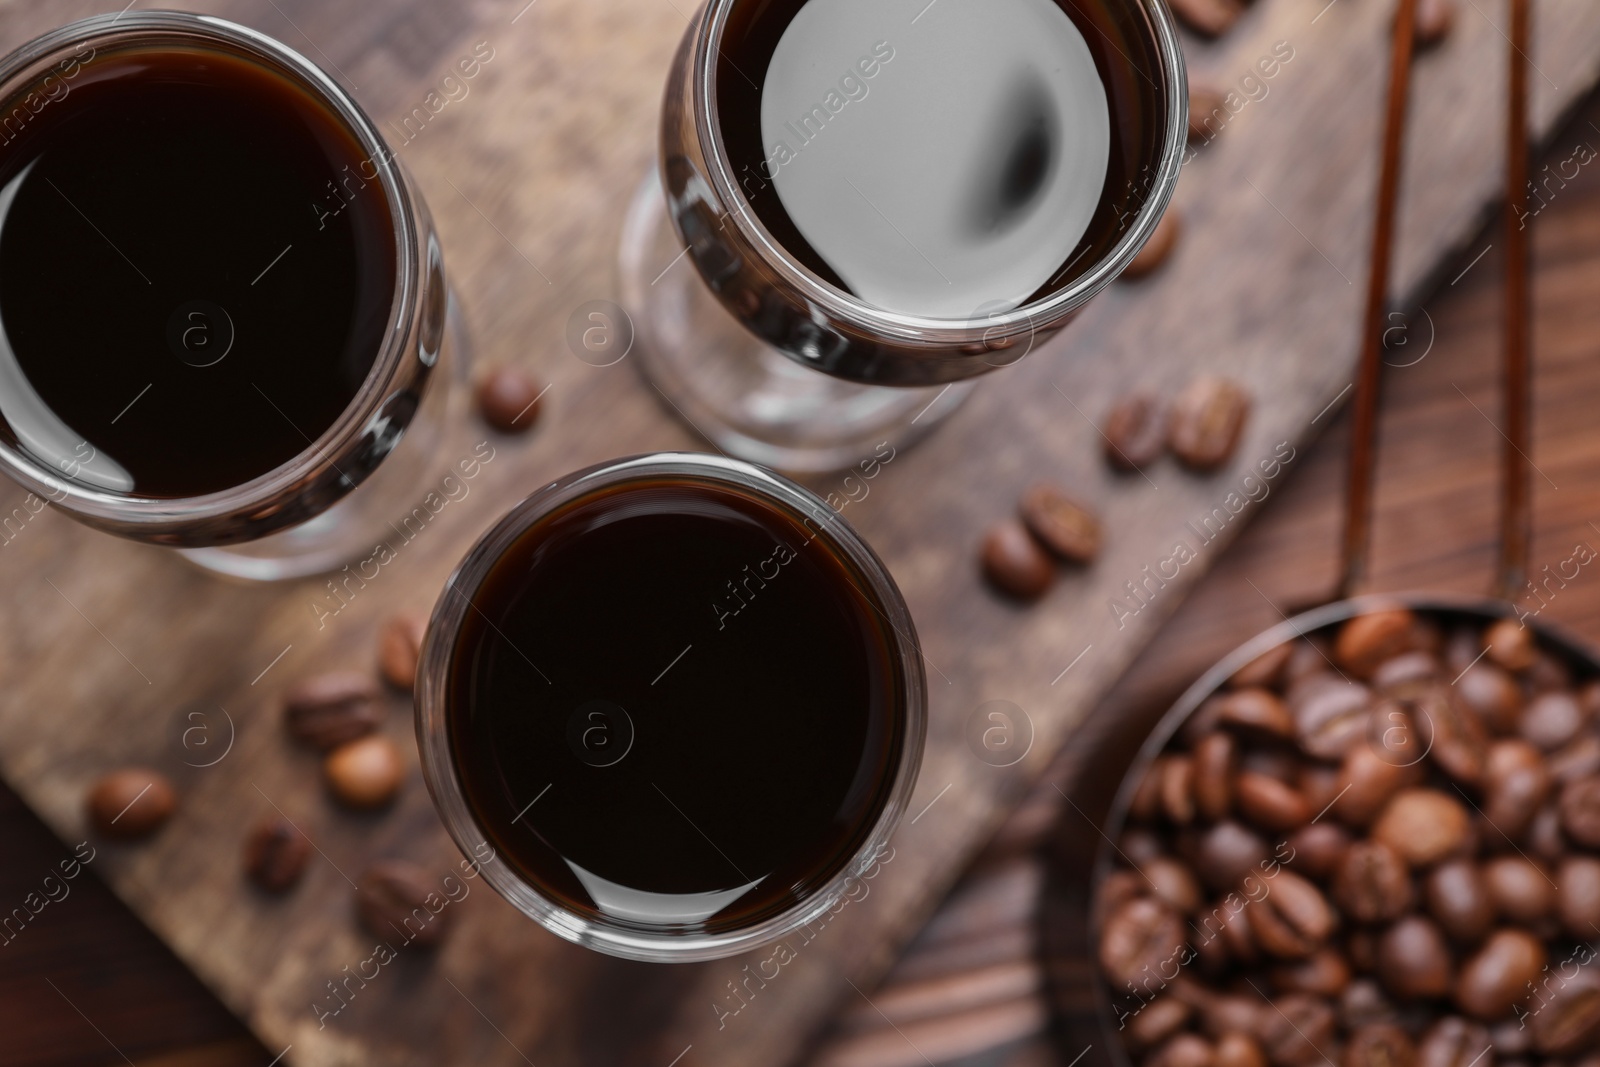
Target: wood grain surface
108,647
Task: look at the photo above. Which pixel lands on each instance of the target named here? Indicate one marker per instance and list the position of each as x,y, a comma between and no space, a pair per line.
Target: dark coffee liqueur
195,272
672,707
946,159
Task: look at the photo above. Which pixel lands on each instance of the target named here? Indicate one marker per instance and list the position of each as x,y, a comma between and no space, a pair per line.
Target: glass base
352,528
741,394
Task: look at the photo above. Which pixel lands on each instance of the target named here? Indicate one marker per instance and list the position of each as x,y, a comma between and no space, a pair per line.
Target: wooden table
1277,214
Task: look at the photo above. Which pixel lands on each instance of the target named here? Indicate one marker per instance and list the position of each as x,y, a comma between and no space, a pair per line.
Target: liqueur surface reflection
194,276
675,706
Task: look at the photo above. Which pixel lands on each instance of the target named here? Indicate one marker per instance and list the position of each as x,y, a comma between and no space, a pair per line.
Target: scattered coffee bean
275,854
1434,20
1208,114
399,647
130,804
1372,884
365,773
1423,826
1293,919
1318,849
332,709
1521,891
508,399
1061,524
1495,978
1414,961
1207,420
1269,803
1367,781
399,903
1015,562
1135,431
1458,898
1210,18
1158,249
1226,853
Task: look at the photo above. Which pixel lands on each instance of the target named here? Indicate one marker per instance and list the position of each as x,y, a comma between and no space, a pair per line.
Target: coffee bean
1495,977
1509,756
1458,897
1581,759
1414,961
1368,640
1380,1045
1367,782
1140,846
1135,431
1146,802
1543,837
508,399
1580,811
1184,1050
1454,1042
1331,716
1294,1034
1372,883
1157,1021
1570,1020
1552,719
1521,891
1237,1049
1015,562
1208,114
399,903
1158,249
1116,889
1510,1038
365,773
1293,919
1173,884
1548,673
399,646
1434,20
130,804
1493,695
1141,934
1460,743
1214,759
1265,670
1207,421
1211,18
1233,922
1423,826
1365,1003
333,709
1061,524
1405,669
1276,763
1177,790
275,854
1578,895
1226,853
1269,803
1310,655
1254,713
1510,644
1319,784
1325,973
1223,1013
1318,849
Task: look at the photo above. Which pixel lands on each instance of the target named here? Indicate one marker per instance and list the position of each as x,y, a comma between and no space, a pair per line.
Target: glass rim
28,63
433,677
920,330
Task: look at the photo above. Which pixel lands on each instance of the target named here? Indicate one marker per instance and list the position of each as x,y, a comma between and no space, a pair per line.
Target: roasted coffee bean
1015,563
1511,1038
1578,895
1184,1050
1368,640
1380,1045
1269,803
1237,1049
1331,716
1159,1020
1458,898
1367,782
1508,756
1232,919
275,854
1460,743
1493,695
1580,811
1510,644
1208,114
1229,1013
1548,673
1061,524
1146,803
1423,826
1158,249
1255,713
130,804
1214,760
400,902
366,773
1544,838
1143,933
1135,431
1177,790
1551,720
1570,1020
1434,20
1319,784
1372,883
1207,420
1173,884
1226,852
1454,1042
1414,961
1364,1003
1318,849
1325,973
1496,976
1581,759
1211,18
1139,846
508,399
1521,891
399,646
1265,670
1405,669
1309,656
1293,919
1116,889
1294,1034
333,709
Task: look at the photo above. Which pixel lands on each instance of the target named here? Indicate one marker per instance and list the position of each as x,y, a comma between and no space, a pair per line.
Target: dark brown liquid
195,276
1123,45
611,690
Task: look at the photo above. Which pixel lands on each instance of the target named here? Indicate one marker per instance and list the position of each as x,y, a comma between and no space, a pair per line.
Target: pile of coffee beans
1378,846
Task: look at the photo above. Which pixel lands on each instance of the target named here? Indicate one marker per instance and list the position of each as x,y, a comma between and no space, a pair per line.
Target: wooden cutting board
110,649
